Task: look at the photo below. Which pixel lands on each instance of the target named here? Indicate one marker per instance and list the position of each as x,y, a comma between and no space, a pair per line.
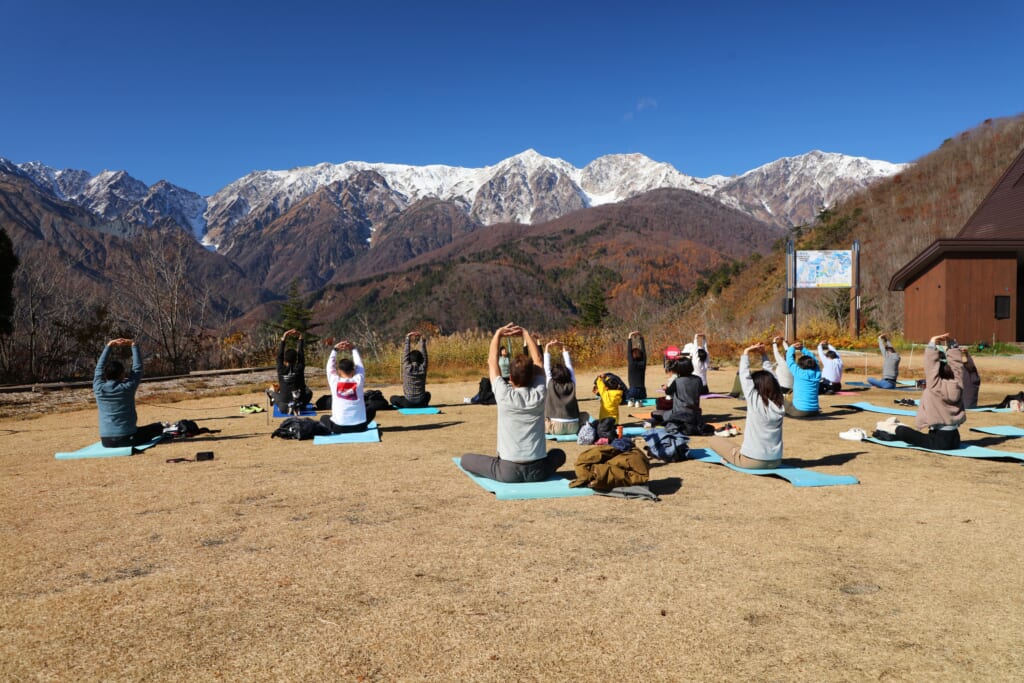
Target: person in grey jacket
115,389
414,375
762,435
890,365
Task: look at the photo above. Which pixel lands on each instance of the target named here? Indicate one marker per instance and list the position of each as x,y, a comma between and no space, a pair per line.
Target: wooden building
973,284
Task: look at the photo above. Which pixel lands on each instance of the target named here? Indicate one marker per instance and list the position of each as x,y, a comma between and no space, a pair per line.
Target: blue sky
201,93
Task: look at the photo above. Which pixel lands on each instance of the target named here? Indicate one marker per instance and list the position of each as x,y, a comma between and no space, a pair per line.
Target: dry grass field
285,561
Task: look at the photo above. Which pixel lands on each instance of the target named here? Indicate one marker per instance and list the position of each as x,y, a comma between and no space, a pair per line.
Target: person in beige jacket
942,409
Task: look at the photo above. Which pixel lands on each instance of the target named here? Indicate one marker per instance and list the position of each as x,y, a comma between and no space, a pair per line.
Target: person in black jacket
636,364
292,394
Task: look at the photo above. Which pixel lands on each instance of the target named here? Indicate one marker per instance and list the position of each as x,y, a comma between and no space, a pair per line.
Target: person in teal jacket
806,378
115,398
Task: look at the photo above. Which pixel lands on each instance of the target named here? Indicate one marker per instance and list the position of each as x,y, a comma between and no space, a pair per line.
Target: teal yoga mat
1001,430
649,402
97,450
560,437
794,475
555,487
989,410
965,450
872,408
898,387
308,411
371,435
430,410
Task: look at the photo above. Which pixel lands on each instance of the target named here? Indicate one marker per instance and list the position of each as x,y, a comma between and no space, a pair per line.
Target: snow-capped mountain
525,188
115,194
792,190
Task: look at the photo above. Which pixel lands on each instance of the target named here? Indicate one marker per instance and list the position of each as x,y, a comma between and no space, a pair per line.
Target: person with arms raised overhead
762,436
698,352
347,379
414,375
561,409
292,394
522,454
941,411
115,389
831,368
972,380
782,373
636,369
806,382
890,365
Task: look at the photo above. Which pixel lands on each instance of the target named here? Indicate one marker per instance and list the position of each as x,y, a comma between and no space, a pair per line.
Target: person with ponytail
761,448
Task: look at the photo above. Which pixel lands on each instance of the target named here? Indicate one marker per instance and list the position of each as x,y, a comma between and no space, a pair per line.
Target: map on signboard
824,269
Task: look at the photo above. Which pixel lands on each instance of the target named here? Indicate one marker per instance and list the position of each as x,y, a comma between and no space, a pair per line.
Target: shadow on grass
829,460
416,428
666,486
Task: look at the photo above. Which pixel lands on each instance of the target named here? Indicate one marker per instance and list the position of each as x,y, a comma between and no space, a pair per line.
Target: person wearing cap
941,411
522,449
115,389
890,365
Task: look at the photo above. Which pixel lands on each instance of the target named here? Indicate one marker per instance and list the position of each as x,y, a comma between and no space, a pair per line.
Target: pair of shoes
467,400
252,408
905,402
854,434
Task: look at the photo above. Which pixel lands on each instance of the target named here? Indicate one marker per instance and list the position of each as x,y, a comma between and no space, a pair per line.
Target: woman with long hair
762,435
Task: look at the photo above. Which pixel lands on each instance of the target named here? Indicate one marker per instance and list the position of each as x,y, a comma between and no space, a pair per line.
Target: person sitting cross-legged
522,450
346,379
414,375
115,389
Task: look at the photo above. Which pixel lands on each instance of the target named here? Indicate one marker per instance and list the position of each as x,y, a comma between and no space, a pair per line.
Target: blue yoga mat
649,402
97,450
965,450
872,386
794,475
371,435
989,410
430,410
1001,430
308,411
872,408
555,487
560,437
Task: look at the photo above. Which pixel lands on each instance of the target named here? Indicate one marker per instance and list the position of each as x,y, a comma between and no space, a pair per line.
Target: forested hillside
894,220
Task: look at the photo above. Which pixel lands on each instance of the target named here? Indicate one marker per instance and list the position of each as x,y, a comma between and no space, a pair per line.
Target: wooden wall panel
957,295
924,304
970,312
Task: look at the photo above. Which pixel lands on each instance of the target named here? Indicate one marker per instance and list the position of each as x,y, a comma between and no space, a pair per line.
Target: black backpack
375,399
607,428
300,429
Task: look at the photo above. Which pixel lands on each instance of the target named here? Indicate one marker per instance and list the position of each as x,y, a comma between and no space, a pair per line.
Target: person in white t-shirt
346,378
522,449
